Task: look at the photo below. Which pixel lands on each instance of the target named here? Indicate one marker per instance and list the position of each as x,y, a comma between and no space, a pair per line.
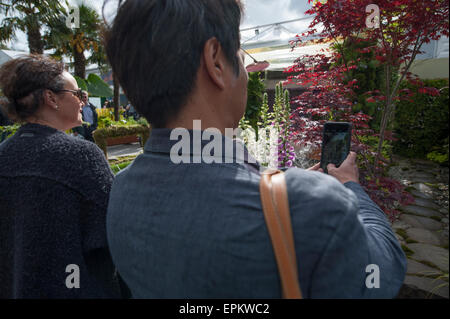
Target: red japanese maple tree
396,36
399,31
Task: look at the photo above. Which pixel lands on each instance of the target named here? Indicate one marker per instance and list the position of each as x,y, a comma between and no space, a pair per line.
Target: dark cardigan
53,198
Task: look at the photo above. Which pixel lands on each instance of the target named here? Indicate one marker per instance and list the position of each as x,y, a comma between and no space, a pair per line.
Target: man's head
155,49
84,97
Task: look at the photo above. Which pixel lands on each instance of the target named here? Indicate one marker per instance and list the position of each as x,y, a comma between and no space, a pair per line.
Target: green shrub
255,93
102,134
421,125
118,167
8,131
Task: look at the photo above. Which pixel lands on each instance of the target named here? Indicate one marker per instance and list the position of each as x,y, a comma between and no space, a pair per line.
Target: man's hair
155,47
23,81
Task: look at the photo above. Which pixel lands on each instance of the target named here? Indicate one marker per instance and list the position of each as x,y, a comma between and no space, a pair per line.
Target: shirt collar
232,150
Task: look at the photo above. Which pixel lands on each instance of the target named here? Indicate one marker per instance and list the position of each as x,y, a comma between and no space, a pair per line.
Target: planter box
110,141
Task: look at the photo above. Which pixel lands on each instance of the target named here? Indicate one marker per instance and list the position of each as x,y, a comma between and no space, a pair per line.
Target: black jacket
53,197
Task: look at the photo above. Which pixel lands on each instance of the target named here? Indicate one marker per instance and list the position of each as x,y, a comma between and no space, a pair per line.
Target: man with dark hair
178,229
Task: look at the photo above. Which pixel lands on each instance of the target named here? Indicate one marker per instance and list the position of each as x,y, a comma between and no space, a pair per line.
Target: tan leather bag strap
278,219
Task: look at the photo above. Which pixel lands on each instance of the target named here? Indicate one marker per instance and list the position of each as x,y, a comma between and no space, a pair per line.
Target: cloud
261,12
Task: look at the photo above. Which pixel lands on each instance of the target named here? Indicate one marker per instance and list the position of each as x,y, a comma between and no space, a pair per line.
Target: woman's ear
50,99
215,62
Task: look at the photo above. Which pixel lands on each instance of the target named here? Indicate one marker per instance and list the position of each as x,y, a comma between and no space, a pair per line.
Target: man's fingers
315,167
331,167
352,157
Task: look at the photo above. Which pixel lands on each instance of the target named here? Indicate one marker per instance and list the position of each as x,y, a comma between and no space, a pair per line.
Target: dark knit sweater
53,197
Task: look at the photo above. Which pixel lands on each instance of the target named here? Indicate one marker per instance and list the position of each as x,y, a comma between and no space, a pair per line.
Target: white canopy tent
6,55
273,45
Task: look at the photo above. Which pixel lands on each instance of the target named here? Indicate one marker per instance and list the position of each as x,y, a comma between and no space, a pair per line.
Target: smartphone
335,143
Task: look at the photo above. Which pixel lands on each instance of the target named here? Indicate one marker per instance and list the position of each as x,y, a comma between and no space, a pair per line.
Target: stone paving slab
424,178
416,224
426,203
419,194
429,285
422,211
417,268
420,222
425,236
400,224
426,252
123,150
423,162
423,188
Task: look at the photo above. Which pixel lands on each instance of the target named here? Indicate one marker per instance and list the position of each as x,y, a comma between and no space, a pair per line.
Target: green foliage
372,142
94,85
121,159
74,42
104,121
368,73
28,16
102,134
82,84
118,167
98,87
421,124
255,93
263,142
437,157
8,131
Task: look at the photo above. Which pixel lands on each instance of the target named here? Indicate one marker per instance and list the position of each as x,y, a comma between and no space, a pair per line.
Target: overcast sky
257,12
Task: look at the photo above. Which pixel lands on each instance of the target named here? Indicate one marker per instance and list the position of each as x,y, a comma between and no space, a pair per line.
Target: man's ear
50,99
215,62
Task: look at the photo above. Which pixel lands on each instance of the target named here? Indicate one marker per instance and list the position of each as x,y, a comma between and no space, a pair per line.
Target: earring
56,107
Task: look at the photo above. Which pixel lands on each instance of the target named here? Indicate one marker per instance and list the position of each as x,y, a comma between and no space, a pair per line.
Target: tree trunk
385,115
116,98
35,43
79,63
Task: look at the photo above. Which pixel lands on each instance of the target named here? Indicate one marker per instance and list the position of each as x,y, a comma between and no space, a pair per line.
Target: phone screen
335,144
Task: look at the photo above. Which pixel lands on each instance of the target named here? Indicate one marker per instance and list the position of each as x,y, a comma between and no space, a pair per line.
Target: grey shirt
198,231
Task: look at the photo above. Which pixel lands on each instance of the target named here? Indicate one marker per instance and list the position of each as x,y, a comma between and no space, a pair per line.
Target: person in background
90,116
197,230
53,190
4,120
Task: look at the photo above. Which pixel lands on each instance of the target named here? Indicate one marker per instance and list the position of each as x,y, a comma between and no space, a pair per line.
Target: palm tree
28,16
74,42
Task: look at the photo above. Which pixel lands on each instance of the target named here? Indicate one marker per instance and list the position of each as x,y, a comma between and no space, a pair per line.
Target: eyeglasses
78,93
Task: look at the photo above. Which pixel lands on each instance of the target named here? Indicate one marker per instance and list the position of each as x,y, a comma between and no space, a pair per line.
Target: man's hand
347,172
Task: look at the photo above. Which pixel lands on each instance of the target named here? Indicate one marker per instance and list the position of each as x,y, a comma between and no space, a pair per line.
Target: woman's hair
23,81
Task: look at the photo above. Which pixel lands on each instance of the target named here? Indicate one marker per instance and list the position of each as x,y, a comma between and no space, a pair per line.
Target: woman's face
69,105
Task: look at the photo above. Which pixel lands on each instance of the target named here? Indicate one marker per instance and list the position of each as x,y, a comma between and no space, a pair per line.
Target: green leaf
98,87
82,84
